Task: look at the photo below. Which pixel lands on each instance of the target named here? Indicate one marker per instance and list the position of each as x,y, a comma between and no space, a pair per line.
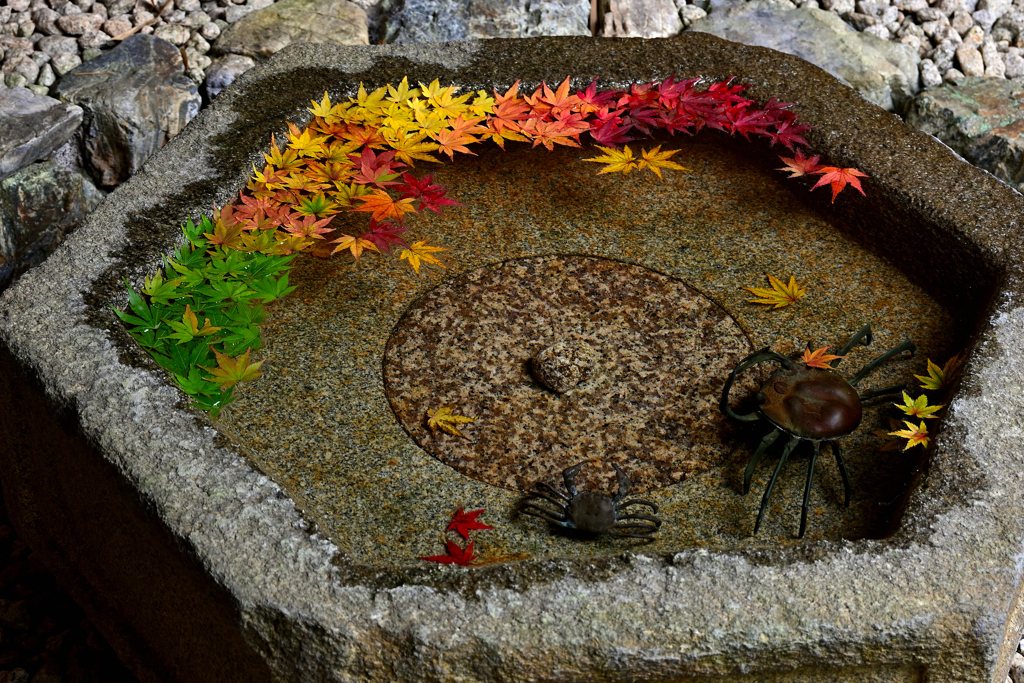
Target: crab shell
810,403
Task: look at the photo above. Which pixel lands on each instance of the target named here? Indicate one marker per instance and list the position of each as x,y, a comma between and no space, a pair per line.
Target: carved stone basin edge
171,539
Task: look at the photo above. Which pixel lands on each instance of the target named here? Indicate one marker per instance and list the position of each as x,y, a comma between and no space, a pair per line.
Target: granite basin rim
273,565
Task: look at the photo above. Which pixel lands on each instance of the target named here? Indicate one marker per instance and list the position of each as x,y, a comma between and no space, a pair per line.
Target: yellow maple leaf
447,420
913,435
303,142
402,93
421,252
918,407
938,377
818,358
411,146
779,295
654,160
616,160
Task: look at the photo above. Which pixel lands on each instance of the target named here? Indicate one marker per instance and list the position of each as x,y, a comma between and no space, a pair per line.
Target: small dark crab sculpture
593,513
808,404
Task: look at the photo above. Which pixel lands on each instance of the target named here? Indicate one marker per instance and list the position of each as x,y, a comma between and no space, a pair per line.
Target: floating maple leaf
456,555
913,435
938,377
918,407
445,419
464,522
818,358
838,178
779,295
384,206
421,252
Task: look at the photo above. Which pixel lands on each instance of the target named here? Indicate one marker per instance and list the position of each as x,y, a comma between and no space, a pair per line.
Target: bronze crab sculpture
590,512
809,404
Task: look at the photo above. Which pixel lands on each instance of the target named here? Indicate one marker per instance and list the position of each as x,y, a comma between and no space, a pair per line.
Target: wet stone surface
650,405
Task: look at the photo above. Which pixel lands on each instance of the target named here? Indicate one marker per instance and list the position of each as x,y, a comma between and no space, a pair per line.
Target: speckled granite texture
203,526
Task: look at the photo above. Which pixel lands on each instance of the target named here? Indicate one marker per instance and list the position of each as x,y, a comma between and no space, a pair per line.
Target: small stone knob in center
563,365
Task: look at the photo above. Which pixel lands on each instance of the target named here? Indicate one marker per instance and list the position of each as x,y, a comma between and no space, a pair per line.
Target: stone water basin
291,526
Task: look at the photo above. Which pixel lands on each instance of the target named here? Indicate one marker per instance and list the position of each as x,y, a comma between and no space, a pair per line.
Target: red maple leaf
463,522
838,179
788,132
385,235
591,100
375,169
428,195
456,555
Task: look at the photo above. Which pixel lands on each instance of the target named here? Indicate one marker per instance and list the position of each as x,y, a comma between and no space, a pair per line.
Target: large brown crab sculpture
808,404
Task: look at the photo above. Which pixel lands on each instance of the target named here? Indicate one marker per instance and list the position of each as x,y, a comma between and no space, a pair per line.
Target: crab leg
569,478
636,501
771,483
905,345
767,441
549,492
842,471
875,393
544,513
863,333
751,360
623,483
650,518
646,537
807,489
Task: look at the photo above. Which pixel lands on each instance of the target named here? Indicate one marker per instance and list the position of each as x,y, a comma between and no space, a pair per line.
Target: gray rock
884,72
930,76
39,205
1014,65
46,76
20,66
94,40
996,7
31,127
640,18
981,119
46,21
224,71
1016,668
65,62
563,365
135,98
689,14
175,34
984,19
78,24
445,20
266,31
970,60
58,45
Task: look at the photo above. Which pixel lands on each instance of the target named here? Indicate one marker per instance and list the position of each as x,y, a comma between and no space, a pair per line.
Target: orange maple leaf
818,358
356,245
384,206
838,178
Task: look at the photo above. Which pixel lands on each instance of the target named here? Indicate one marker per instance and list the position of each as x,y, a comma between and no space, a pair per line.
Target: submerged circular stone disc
650,404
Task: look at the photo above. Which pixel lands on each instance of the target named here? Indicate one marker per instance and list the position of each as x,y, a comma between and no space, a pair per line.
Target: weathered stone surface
264,32
445,20
39,205
563,365
224,71
640,18
32,126
135,97
981,119
164,512
885,73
